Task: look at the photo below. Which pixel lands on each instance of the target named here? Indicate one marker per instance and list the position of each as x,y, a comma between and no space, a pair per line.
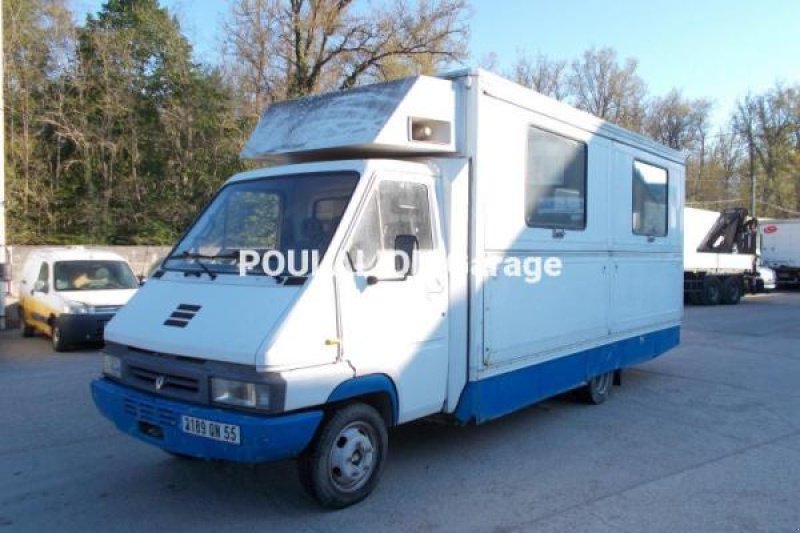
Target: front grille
166,381
107,308
148,412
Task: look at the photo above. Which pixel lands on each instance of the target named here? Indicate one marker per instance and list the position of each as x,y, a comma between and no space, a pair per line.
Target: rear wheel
731,291
346,460
712,291
694,298
596,391
26,330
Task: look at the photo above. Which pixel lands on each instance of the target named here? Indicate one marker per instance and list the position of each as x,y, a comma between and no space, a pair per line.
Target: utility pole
4,266
752,181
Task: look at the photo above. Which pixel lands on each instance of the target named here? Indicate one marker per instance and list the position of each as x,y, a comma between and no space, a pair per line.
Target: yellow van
71,293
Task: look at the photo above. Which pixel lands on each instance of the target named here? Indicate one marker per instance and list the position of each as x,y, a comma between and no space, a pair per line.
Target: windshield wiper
206,270
186,254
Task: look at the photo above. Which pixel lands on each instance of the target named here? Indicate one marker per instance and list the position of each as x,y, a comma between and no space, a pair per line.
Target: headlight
241,393
77,308
112,366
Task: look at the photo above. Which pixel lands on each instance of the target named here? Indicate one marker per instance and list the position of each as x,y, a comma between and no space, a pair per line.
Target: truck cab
272,341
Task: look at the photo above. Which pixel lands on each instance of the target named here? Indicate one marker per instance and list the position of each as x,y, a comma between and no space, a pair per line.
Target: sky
716,49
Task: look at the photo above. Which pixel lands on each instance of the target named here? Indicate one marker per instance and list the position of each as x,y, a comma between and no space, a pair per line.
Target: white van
542,252
71,293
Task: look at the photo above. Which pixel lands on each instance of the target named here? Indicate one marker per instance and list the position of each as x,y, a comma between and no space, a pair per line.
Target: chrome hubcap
352,457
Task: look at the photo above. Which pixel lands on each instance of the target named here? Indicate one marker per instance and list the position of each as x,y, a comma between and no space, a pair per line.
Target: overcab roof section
404,117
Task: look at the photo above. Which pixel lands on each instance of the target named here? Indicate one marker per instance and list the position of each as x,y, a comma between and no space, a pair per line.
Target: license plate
201,427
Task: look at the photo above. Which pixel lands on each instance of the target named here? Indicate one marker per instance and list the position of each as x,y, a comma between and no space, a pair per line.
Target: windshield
283,214
93,276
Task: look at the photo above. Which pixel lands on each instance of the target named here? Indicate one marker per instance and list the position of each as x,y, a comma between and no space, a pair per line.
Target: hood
222,320
115,297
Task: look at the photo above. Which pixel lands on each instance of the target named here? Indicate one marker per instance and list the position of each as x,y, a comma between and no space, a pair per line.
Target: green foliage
116,136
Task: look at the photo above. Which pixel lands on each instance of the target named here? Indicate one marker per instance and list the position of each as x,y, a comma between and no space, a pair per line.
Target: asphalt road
705,438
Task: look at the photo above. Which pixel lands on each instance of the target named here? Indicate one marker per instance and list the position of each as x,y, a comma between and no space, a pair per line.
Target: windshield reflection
288,214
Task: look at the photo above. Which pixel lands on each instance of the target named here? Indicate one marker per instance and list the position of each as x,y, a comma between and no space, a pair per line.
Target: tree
254,49
117,135
542,74
769,125
291,48
603,87
682,124
678,122
37,43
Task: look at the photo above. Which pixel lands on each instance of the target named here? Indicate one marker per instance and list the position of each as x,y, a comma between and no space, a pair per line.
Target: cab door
392,316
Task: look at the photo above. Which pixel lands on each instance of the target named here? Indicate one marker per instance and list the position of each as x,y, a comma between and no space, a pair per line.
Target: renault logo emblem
160,380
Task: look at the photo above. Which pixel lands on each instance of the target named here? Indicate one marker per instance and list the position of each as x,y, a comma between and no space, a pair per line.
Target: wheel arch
376,390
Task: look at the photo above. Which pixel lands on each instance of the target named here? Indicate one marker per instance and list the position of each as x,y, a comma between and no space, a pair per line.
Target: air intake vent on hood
182,315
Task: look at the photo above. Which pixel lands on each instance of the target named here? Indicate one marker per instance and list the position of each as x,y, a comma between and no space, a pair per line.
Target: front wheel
346,460
57,338
596,390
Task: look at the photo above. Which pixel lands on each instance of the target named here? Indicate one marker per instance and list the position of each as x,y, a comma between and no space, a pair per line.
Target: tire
26,330
712,291
344,464
597,389
731,291
57,338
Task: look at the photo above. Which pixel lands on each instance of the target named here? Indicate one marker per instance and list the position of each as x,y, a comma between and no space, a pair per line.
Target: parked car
780,250
768,279
70,294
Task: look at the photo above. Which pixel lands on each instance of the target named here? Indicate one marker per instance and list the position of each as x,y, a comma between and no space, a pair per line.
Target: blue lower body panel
262,438
496,396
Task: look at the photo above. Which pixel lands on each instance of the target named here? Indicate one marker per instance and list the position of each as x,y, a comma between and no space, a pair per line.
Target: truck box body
780,243
780,249
547,252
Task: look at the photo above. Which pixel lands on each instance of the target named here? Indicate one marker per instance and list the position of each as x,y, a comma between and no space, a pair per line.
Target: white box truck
719,256
780,250
480,248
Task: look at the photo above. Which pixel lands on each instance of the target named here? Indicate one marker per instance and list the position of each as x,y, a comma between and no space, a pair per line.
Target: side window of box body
555,181
649,199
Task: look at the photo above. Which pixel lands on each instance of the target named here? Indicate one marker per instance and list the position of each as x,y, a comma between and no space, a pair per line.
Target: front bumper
76,329
263,438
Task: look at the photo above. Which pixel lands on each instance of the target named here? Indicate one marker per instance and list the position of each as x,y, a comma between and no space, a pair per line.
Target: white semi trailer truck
481,247
780,250
719,255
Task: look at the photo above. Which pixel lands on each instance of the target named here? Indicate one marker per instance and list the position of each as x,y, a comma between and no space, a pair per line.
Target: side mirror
40,286
405,259
141,279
